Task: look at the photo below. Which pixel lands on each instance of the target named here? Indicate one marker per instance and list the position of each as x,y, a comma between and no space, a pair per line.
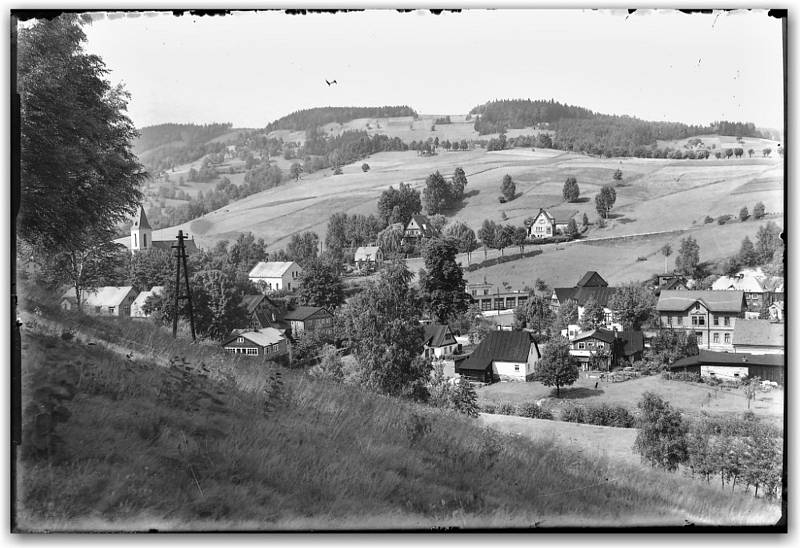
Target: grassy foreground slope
218,443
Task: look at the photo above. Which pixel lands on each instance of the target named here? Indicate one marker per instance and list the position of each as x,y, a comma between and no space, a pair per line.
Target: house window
581,346
126,310
716,338
727,338
144,240
699,335
698,320
680,320
591,344
727,321
252,351
516,367
240,339
716,320
111,309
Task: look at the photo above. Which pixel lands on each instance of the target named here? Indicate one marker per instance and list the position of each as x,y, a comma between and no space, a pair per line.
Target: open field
667,197
148,447
691,398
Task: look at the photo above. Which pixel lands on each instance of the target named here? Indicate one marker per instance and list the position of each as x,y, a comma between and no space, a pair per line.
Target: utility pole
180,257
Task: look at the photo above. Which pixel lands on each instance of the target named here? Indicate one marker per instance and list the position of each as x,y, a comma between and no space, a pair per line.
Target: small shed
368,255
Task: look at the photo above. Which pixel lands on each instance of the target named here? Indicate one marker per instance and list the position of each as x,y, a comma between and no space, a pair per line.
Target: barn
729,366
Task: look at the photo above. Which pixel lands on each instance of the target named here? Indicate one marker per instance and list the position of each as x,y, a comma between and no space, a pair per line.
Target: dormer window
240,339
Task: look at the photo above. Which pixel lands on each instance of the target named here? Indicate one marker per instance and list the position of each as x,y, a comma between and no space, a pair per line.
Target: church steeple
141,232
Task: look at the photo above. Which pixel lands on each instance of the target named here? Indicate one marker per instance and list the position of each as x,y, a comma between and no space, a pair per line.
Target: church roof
140,220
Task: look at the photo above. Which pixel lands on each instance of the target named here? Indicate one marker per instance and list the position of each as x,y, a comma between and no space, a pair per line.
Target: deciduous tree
321,285
571,191
604,201
508,188
556,367
688,257
633,304
441,282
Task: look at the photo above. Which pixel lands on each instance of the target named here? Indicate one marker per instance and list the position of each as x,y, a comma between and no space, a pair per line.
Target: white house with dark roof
759,337
549,223
711,315
417,228
501,355
275,275
103,301
439,341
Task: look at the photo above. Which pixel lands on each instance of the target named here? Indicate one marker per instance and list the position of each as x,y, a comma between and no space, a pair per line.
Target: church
142,237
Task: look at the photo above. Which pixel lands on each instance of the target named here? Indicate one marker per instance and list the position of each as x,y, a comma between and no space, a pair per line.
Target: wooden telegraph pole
180,257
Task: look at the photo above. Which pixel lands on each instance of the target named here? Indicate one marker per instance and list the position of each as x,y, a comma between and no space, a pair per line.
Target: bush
661,440
573,413
684,376
506,408
722,219
708,219
501,199
534,411
488,408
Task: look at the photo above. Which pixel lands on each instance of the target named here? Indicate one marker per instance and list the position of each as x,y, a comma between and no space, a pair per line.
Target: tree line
307,119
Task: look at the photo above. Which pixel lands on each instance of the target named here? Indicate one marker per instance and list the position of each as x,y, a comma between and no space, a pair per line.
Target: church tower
141,233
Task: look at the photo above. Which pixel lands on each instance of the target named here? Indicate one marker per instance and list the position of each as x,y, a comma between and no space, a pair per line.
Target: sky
250,68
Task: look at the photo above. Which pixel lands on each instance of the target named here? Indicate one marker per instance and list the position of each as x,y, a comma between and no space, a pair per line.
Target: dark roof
673,284
252,302
437,335
715,301
510,346
758,333
707,357
140,221
423,223
583,294
632,341
605,335
591,279
304,312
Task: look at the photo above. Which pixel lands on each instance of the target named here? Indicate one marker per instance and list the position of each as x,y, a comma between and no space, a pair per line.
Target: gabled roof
707,357
673,283
251,302
263,337
509,346
605,335
102,296
140,219
715,301
582,295
367,253
304,312
591,279
632,341
758,333
562,216
142,297
271,269
437,335
422,222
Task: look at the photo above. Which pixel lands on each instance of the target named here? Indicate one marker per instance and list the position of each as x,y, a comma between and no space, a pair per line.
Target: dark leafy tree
766,152
365,167
441,282
519,237
567,315
572,228
747,253
633,304
571,192
593,315
688,258
150,267
463,236
604,201
758,210
321,285
295,170
79,177
556,367
508,188
585,220
666,251
405,198
617,175
535,314
487,233
661,440
436,195
744,214
303,247
768,241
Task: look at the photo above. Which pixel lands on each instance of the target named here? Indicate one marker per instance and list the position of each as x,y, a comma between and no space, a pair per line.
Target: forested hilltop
308,119
581,130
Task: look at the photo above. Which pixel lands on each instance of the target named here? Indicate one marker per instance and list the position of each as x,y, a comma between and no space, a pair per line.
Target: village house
733,367
274,276
268,343
418,227
489,297
549,223
501,355
309,320
439,341
605,349
591,287
142,239
367,256
759,289
263,312
103,301
137,306
759,337
711,315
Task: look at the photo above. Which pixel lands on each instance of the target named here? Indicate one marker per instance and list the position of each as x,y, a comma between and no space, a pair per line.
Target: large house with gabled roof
591,287
711,315
548,223
309,320
103,301
276,275
501,355
605,349
418,227
439,341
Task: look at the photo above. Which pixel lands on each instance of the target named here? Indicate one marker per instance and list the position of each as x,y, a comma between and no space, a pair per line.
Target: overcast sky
250,68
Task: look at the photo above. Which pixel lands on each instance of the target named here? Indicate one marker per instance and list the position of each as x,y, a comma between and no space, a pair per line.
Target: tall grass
177,449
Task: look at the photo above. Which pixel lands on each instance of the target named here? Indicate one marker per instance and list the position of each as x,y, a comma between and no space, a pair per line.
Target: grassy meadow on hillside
215,442
670,197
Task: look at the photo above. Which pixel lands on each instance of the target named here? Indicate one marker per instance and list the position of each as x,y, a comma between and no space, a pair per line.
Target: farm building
591,287
606,349
549,223
368,255
309,319
439,341
501,355
267,342
141,238
759,337
274,276
729,366
759,289
137,306
711,315
417,228
489,297
103,301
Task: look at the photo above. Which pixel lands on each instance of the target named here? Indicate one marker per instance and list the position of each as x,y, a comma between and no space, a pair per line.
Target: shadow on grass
471,193
576,393
581,200
626,220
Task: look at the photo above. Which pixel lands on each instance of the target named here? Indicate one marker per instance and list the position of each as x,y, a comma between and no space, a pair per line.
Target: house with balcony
711,315
418,227
605,349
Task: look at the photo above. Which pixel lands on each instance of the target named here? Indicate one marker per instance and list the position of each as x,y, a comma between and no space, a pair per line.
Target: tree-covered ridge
496,116
310,118
190,134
